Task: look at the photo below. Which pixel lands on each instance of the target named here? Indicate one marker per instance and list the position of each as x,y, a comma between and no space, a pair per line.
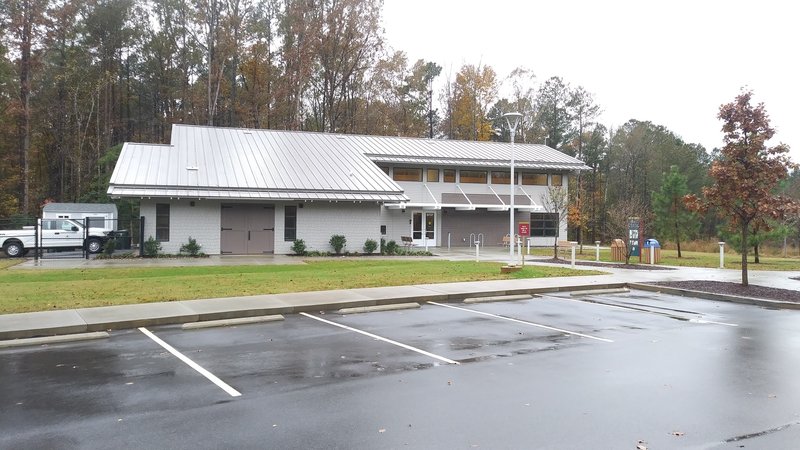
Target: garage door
247,229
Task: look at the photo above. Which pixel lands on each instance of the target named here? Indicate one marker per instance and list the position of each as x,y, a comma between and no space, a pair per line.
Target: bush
192,248
391,248
338,242
299,247
370,245
152,247
109,247
383,246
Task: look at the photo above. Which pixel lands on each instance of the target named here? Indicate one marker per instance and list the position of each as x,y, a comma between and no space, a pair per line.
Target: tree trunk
744,253
678,238
755,254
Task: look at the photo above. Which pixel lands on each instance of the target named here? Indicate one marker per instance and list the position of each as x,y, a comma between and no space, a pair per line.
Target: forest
80,77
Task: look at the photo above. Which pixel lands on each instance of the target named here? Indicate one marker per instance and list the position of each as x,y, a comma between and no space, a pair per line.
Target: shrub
192,248
383,246
109,247
152,247
391,248
299,247
338,242
370,245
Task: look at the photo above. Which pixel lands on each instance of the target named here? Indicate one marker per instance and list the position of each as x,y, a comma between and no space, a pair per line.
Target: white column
721,254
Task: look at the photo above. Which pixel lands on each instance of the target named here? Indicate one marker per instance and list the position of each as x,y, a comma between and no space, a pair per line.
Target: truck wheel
14,249
94,245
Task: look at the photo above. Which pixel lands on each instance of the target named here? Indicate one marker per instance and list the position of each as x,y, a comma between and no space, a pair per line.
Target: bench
407,241
566,245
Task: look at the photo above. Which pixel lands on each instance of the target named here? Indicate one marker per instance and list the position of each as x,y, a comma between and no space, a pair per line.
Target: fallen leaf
641,445
382,430
678,433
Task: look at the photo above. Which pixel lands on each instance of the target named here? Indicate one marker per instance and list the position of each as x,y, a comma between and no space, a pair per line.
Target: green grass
38,290
688,259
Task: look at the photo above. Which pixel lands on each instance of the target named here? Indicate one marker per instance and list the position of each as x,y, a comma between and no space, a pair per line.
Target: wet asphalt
671,372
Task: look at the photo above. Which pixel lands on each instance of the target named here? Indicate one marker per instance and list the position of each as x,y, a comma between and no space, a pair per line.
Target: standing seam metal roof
230,162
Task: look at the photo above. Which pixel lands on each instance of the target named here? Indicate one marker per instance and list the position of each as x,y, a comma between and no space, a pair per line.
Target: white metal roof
237,163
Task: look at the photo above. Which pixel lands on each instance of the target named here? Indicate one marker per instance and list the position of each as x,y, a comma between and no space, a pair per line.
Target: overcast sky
671,62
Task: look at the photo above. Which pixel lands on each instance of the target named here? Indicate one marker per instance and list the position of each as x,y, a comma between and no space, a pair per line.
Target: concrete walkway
47,323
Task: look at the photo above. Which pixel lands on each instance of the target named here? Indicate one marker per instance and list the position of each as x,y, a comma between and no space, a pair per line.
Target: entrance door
247,229
423,228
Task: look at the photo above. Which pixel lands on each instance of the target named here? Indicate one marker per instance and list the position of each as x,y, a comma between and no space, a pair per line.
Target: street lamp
512,119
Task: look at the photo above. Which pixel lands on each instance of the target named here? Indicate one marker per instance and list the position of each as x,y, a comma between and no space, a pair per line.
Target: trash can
652,243
618,250
122,240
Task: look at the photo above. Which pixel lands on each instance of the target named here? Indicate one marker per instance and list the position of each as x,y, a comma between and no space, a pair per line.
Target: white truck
54,234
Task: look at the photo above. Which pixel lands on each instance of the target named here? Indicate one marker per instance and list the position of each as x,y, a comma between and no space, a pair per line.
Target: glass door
423,228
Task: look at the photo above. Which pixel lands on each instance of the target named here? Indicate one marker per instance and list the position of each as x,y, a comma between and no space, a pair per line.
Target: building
245,191
99,215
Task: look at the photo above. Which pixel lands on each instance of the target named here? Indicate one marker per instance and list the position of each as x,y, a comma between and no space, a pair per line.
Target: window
433,175
544,224
162,222
501,178
473,176
289,223
96,222
556,179
534,179
407,174
449,175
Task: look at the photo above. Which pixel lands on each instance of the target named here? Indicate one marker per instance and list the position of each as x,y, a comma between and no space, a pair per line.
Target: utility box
654,244
618,250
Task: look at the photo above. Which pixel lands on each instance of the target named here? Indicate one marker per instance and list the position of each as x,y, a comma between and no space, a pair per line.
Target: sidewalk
47,323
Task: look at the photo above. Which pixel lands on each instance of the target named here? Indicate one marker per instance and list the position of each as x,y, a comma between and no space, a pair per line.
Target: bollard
477,251
652,254
572,264
528,240
519,252
597,251
721,254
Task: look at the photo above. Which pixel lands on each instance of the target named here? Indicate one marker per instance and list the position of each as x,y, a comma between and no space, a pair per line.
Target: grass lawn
38,290
688,259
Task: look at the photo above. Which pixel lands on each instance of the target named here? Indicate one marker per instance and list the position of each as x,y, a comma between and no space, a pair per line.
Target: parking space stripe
211,377
642,309
524,322
380,338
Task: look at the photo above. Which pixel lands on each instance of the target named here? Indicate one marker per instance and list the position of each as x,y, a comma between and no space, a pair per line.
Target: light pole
512,119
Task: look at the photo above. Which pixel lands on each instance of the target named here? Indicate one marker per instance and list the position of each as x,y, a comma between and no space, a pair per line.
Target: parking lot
606,370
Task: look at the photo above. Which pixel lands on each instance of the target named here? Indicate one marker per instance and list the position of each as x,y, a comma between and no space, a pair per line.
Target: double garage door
247,229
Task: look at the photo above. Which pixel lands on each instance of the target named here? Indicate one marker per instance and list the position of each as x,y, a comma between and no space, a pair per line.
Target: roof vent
192,168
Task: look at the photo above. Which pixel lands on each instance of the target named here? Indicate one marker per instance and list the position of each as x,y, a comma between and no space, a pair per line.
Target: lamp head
512,119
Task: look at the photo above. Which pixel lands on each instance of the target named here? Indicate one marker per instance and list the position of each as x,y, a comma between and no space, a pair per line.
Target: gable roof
238,163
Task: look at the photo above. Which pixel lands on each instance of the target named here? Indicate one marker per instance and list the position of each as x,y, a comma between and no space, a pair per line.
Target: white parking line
524,322
634,309
211,377
380,338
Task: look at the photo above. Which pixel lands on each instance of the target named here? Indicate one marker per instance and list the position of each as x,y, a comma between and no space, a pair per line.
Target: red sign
524,229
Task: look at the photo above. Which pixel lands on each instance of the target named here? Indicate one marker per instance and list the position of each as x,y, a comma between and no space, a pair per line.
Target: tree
556,201
474,89
672,220
747,171
552,112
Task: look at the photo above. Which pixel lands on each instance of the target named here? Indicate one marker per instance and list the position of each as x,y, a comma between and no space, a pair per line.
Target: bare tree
556,201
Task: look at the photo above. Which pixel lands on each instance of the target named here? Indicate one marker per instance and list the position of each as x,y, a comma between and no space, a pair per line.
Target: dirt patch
600,264
721,287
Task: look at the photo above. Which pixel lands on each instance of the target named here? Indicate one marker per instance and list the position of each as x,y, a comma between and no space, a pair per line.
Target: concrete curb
376,308
46,340
718,297
231,322
500,298
171,313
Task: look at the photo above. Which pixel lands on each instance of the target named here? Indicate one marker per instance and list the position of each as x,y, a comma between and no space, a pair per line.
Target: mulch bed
721,287
597,264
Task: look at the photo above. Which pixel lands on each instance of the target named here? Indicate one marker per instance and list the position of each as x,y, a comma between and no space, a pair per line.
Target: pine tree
672,220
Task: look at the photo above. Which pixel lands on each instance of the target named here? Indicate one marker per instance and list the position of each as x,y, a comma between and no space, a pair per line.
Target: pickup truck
54,234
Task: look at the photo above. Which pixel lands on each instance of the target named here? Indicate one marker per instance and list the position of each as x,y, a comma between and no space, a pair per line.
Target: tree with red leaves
747,172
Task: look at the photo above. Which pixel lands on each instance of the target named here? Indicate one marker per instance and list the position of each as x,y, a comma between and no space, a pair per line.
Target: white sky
671,62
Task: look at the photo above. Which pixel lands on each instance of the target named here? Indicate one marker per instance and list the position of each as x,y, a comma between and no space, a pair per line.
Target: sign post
524,231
